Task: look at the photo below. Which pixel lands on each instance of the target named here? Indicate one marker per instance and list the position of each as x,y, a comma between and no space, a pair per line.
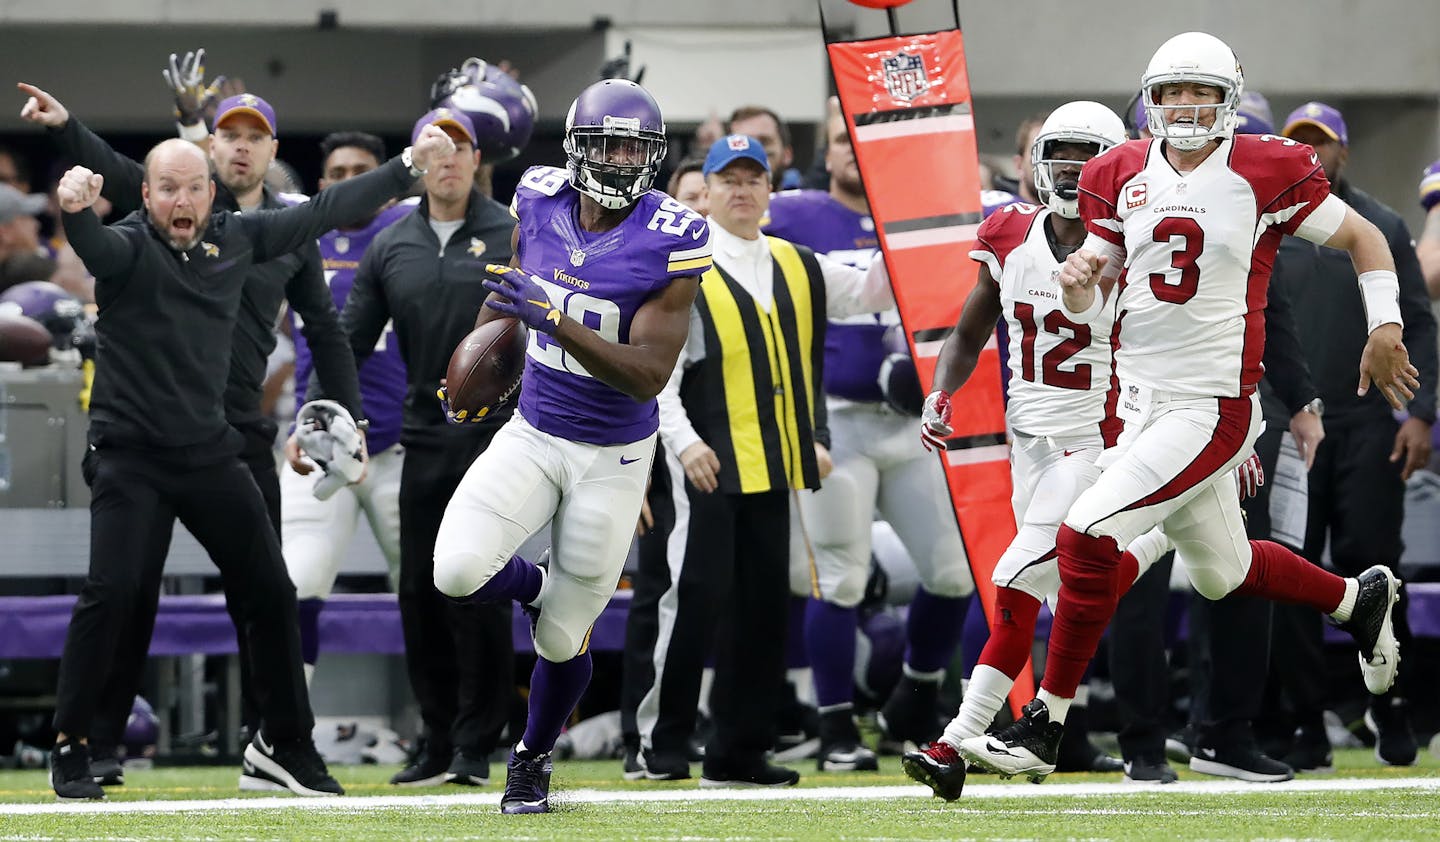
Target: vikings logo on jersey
599,280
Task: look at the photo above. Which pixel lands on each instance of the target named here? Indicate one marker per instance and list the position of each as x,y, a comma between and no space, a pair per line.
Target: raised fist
78,189
432,145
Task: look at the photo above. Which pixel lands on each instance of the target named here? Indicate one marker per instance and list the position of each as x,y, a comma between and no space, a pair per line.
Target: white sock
1347,602
1059,707
309,675
1082,696
984,697
916,675
540,594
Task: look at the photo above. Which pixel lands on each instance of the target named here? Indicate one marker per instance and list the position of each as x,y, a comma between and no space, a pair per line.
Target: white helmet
1081,121
1203,59
327,433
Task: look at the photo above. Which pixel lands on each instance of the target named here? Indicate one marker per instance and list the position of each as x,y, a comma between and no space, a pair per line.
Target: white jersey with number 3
1059,370
1198,250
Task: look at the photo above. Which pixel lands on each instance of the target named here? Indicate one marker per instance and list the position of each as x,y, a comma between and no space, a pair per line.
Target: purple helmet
502,109
142,730
50,305
614,142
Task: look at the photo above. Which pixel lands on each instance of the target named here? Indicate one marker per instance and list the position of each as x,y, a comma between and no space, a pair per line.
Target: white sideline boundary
365,803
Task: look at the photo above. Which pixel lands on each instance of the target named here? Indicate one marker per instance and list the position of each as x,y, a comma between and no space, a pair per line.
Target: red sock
1278,573
1088,567
1011,631
1129,571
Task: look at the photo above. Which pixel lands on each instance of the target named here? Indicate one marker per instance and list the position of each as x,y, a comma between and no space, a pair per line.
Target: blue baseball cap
443,117
731,148
245,104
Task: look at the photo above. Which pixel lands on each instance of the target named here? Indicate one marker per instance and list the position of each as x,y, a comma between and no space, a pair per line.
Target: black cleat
105,765
468,771
1372,627
1311,752
1389,720
292,764
426,769
70,773
939,767
910,714
840,746
1028,746
1147,769
527,784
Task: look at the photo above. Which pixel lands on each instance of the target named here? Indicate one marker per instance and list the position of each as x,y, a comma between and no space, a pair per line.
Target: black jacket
297,277
167,317
432,296
1287,385
1321,284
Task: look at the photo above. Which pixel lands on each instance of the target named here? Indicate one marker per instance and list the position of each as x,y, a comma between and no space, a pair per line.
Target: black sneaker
468,771
1077,753
1371,625
105,765
910,714
840,746
1310,752
1028,746
70,773
939,767
292,764
527,784
1389,721
426,769
649,765
756,772
1146,769
1241,761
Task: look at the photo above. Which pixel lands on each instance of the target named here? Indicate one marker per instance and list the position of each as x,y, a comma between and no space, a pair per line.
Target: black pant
135,501
1230,637
258,454
1357,501
460,656
1138,665
735,571
650,583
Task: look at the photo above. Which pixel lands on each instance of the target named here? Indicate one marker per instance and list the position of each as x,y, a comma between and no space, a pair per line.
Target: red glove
1249,476
935,420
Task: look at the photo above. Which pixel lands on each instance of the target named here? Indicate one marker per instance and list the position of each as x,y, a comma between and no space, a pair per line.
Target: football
23,340
486,366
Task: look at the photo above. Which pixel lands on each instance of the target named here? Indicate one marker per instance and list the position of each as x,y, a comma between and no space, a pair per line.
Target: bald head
178,192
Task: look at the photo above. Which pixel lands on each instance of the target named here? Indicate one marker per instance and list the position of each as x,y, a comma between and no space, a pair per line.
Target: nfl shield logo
577,257
905,77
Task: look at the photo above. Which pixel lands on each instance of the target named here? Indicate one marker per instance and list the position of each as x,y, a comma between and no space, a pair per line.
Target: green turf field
592,802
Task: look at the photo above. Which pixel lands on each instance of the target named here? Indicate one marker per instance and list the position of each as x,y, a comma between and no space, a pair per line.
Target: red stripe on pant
1231,429
1089,589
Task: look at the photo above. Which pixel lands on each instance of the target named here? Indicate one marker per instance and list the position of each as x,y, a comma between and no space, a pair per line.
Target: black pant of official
642,621
1139,668
732,592
460,656
258,454
1357,500
136,497
1230,637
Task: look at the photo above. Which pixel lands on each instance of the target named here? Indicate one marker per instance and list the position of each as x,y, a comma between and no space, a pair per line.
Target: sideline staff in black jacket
424,273
169,282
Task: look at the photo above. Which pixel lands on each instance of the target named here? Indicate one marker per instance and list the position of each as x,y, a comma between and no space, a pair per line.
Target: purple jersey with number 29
599,280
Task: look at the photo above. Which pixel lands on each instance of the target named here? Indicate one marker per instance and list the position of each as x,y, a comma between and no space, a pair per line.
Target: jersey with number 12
1059,370
599,280
1199,247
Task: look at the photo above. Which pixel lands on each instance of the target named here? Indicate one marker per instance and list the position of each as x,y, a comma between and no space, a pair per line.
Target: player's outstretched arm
959,355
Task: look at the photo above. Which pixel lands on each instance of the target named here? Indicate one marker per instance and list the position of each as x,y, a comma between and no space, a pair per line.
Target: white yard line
604,796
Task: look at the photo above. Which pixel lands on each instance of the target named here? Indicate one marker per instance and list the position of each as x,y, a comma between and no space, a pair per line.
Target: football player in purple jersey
316,533
876,467
604,275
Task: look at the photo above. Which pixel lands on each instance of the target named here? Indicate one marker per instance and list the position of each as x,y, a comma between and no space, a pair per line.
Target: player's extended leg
1184,443
834,527
314,536
915,501
604,487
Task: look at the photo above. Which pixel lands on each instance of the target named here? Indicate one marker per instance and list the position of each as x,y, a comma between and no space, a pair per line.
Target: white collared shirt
848,292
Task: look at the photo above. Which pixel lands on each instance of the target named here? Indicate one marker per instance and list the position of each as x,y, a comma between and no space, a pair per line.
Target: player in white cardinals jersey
1059,377
1193,217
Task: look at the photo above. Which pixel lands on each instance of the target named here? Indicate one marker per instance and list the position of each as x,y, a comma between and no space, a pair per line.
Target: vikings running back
1059,377
604,275
1184,228
315,532
872,393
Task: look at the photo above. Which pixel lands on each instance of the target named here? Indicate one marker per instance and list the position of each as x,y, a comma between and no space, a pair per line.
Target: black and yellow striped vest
752,397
